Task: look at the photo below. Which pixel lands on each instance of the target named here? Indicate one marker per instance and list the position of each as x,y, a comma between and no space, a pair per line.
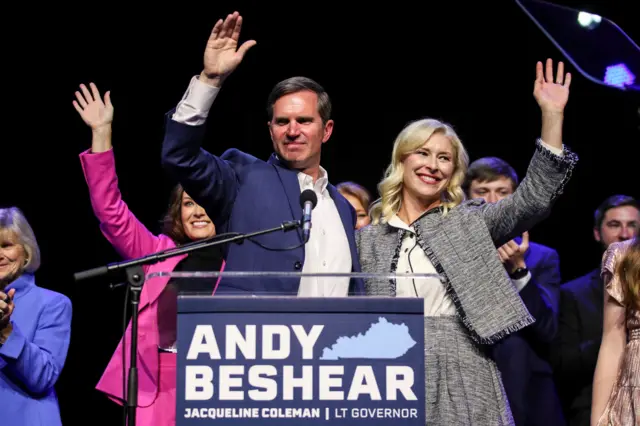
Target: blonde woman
35,329
616,382
422,224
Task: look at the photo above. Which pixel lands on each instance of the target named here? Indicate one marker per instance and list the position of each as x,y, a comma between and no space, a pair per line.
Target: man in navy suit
522,357
577,343
245,194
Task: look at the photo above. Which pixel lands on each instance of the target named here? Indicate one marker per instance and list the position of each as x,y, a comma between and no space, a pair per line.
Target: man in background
522,357
579,333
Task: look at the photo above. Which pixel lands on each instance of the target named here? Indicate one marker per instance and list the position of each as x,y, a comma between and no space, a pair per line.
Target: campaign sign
291,361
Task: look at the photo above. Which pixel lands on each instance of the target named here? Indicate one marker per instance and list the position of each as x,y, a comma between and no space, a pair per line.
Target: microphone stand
135,280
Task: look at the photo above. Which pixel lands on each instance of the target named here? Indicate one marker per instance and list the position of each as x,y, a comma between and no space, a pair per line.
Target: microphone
308,201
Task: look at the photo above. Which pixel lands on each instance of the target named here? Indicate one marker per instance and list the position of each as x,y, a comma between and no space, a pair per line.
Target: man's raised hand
222,55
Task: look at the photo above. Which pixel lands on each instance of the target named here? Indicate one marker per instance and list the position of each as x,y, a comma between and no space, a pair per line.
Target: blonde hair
411,138
629,272
13,223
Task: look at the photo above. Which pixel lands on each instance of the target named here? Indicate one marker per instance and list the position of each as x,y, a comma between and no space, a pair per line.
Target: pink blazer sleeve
122,229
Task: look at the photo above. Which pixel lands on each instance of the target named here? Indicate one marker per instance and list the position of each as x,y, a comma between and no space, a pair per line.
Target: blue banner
292,361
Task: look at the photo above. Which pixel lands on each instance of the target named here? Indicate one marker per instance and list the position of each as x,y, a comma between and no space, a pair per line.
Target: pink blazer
131,239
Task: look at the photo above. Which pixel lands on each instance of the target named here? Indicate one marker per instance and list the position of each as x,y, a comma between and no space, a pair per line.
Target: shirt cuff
557,151
519,284
194,107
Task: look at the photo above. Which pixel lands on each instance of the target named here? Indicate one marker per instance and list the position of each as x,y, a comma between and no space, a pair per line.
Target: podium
313,358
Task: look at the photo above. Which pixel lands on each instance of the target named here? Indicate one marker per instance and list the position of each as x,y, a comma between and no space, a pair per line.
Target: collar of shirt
306,181
396,222
23,284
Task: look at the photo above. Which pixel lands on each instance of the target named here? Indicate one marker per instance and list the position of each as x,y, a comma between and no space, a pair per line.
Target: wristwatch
519,273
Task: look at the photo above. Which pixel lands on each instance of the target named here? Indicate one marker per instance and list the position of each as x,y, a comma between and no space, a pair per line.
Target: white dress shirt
327,250
414,260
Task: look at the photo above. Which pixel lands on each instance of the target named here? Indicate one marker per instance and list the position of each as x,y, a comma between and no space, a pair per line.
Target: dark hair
172,222
489,169
357,191
611,203
299,84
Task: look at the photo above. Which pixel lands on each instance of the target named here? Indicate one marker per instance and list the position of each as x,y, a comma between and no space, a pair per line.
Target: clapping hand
512,254
6,307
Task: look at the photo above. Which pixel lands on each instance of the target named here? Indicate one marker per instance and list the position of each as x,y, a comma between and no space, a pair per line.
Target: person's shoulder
372,231
375,242
616,249
56,309
53,300
472,203
57,299
613,254
469,206
241,158
469,213
47,307
581,283
542,250
165,242
367,229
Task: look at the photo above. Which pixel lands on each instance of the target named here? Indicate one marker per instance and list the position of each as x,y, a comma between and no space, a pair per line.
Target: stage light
588,20
619,76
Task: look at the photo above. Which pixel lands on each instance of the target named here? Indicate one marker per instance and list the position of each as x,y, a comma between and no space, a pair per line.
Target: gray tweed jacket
462,247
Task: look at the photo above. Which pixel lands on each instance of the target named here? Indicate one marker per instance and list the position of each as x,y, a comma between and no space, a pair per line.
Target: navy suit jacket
577,343
522,357
244,194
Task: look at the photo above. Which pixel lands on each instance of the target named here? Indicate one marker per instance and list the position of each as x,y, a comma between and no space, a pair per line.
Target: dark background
469,63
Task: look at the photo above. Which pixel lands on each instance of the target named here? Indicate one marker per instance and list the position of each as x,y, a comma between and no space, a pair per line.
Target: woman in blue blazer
35,327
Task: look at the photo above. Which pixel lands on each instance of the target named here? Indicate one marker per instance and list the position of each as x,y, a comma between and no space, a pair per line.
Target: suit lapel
155,286
289,180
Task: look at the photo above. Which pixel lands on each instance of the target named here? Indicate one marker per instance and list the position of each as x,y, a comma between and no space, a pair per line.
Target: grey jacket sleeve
546,178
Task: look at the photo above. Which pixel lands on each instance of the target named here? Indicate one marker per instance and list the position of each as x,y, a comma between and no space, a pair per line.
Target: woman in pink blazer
185,221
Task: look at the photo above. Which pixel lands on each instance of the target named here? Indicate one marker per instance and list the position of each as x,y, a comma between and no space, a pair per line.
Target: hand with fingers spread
93,110
512,254
222,55
97,114
552,97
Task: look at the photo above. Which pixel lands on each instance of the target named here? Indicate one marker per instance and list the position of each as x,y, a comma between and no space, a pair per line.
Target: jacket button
297,265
